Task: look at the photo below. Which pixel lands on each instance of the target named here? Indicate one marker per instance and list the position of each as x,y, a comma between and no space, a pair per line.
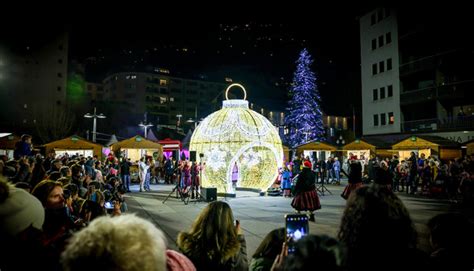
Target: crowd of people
53,216
417,175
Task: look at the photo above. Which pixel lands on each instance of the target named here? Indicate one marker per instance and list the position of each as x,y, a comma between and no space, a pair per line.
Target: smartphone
109,205
296,226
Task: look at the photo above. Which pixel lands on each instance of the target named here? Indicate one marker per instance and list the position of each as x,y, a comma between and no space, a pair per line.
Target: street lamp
145,126
179,121
95,117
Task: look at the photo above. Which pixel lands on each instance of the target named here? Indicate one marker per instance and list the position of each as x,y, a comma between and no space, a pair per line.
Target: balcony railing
447,124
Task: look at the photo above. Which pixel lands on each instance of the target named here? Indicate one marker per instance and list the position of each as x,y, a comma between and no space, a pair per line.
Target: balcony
430,125
428,63
417,96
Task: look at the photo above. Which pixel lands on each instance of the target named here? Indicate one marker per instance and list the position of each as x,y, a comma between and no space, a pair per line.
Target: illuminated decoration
237,134
304,117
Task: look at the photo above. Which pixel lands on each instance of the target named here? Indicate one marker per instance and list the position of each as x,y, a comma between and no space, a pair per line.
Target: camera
109,205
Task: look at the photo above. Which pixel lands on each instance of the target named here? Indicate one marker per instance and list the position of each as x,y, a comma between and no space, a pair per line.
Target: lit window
171,99
133,77
25,106
163,82
163,100
127,77
227,79
391,118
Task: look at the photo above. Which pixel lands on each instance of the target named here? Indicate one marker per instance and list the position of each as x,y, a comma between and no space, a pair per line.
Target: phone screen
296,227
108,205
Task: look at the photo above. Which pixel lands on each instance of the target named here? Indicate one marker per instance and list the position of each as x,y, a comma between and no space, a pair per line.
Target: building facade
165,98
33,80
417,74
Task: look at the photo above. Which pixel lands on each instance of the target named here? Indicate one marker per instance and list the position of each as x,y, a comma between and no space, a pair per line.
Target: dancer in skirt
355,177
306,198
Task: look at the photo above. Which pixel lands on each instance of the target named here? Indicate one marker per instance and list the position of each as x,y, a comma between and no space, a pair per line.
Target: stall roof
8,141
317,145
137,142
72,142
426,141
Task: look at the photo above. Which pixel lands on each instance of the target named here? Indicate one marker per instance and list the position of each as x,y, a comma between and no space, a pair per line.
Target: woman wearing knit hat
21,220
306,198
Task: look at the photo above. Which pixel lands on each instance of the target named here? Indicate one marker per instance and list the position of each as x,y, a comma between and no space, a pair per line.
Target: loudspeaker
192,156
209,194
176,155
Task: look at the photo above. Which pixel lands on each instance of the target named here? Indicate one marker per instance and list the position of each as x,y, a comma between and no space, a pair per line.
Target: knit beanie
19,210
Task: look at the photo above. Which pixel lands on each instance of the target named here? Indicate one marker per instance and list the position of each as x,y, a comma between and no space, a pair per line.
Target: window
171,99
388,37
60,61
382,92
379,15
59,88
58,102
389,64
376,120
374,44
60,47
374,69
375,94
133,77
390,91
163,82
372,19
60,75
381,66
391,118
162,100
381,41
383,119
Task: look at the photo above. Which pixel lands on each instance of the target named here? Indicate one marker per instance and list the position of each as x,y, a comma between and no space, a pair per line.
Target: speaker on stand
192,156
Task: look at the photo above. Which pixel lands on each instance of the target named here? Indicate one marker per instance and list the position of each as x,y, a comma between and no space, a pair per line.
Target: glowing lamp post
237,134
145,126
95,117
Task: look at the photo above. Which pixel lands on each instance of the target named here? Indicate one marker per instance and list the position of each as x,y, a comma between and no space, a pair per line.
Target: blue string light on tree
304,119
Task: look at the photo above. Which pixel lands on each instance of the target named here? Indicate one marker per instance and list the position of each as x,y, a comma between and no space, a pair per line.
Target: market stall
74,145
443,148
137,147
7,144
316,150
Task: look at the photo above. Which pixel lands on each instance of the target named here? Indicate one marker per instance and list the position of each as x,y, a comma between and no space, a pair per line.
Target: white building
381,112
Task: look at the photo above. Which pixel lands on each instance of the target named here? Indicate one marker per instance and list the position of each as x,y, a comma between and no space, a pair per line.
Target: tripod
183,195
321,188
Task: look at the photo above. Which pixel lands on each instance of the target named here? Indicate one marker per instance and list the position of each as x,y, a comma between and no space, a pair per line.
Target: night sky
257,53
260,54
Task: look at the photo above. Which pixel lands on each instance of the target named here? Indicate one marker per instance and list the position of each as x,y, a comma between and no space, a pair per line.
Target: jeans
338,175
147,181
126,182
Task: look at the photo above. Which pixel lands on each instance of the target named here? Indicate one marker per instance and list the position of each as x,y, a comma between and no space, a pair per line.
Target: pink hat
176,261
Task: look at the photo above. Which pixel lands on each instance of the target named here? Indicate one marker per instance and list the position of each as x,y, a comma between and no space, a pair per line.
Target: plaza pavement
259,215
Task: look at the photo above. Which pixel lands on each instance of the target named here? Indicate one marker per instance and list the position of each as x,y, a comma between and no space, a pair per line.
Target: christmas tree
304,119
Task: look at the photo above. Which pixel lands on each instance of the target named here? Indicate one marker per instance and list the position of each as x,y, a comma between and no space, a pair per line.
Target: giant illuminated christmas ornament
237,135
